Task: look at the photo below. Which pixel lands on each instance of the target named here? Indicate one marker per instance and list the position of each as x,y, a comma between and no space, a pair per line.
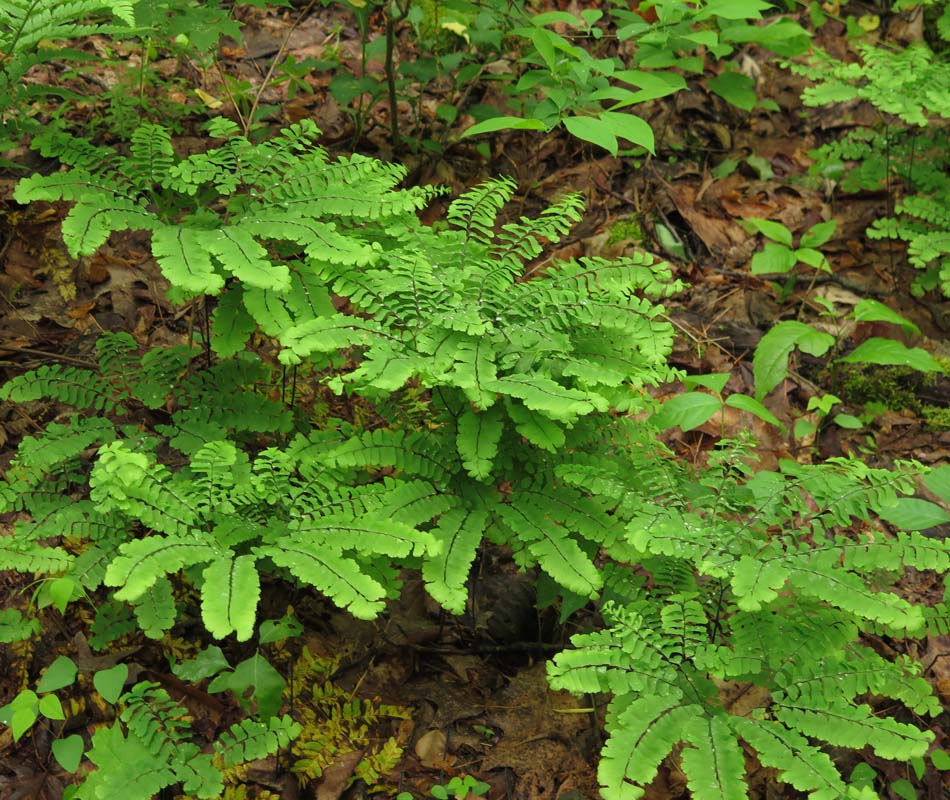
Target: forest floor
468,695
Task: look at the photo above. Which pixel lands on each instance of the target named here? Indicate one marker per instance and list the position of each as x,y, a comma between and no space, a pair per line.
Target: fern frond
32,557
538,429
155,609
126,481
151,156
229,597
367,534
144,561
184,256
541,393
477,440
799,763
327,569
519,242
250,740
715,764
815,681
475,211
80,388
326,335
855,726
59,443
410,502
407,452
643,731
552,547
459,533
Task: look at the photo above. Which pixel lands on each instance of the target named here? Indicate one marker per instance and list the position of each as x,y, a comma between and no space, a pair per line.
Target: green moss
893,388
626,229
937,418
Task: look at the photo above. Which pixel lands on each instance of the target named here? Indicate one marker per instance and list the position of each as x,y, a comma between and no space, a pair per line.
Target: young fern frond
155,750
475,213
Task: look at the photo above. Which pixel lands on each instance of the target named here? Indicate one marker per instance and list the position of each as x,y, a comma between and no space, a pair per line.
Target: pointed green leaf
688,411
868,310
594,130
68,752
775,231
59,674
745,403
735,88
109,682
818,234
504,123
770,361
892,353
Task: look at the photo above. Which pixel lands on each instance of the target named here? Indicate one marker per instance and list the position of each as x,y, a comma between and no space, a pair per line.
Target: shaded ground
468,696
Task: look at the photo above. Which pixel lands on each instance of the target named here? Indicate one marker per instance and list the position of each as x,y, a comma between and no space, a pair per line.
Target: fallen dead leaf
430,749
337,777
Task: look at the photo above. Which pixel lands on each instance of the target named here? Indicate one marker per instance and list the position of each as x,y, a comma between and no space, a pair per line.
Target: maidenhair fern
911,85
285,193
531,375
749,634
26,29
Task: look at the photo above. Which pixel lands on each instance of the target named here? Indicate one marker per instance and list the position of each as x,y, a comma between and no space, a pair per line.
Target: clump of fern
741,627
26,29
909,158
513,368
535,376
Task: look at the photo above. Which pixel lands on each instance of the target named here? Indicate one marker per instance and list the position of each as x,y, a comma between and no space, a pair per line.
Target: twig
30,351
249,121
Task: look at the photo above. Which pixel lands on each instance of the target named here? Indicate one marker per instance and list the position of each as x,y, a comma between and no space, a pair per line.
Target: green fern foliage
284,194
26,28
150,748
911,158
748,637
506,399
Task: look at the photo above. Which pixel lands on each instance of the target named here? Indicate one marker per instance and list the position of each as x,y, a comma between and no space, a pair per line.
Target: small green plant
694,408
149,748
564,82
254,682
822,405
461,787
864,776
779,256
770,361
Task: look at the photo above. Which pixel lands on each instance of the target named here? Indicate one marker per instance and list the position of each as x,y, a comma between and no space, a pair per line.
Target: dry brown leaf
337,777
430,749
